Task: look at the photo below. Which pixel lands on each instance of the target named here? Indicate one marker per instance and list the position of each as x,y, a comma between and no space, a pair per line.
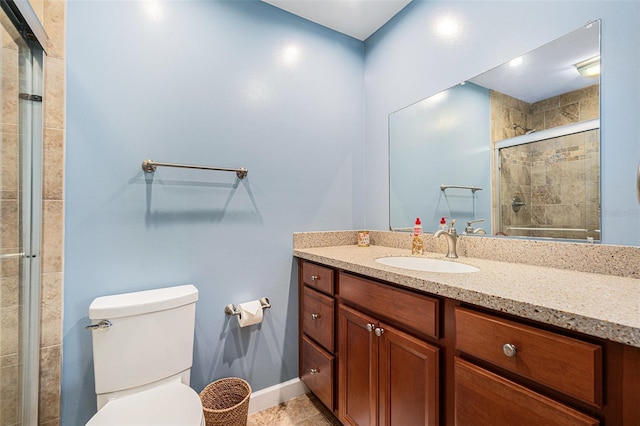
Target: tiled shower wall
572,107
52,14
557,179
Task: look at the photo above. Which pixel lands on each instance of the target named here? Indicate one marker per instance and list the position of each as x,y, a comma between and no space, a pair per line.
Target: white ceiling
548,70
356,18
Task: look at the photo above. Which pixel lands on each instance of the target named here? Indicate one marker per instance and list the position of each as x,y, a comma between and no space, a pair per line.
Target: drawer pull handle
315,316
370,327
379,331
314,371
509,349
315,278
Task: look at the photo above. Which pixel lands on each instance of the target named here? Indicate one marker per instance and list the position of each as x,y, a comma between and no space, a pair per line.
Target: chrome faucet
452,238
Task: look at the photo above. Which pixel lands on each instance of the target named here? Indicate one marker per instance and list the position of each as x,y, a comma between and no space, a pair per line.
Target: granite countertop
599,305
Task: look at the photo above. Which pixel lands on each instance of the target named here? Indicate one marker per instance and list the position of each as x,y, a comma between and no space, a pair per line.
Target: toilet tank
151,336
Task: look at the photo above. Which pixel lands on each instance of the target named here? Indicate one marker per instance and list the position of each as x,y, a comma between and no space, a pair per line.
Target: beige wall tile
54,25
9,295
9,163
7,39
50,372
9,266
54,93
52,236
51,309
9,228
9,393
9,338
10,86
561,116
54,21
9,360
589,108
53,167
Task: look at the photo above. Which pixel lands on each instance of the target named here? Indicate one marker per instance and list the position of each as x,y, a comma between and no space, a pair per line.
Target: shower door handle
13,256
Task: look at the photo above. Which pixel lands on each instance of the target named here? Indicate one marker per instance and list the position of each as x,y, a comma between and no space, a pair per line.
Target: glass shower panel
551,188
20,218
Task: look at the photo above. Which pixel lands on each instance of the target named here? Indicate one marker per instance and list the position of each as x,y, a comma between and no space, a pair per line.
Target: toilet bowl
171,404
142,357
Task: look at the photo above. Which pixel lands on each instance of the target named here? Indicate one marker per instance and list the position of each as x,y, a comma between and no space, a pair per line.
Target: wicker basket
225,402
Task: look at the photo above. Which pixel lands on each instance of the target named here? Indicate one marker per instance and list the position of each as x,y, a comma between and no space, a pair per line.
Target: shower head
524,129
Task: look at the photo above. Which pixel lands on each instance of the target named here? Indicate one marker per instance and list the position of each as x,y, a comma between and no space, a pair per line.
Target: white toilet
142,356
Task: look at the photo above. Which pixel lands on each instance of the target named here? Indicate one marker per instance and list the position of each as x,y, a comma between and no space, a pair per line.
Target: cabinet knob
509,349
314,371
315,316
315,278
370,327
379,331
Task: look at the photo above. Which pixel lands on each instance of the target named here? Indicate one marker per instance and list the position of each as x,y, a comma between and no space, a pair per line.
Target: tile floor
304,410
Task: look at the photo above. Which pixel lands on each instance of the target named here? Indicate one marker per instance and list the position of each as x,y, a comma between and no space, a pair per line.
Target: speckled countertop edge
604,306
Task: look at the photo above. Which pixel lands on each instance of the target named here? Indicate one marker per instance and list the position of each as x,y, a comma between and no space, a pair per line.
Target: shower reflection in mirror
550,187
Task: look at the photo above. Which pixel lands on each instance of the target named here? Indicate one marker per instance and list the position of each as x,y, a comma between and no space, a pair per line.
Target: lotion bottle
443,224
417,246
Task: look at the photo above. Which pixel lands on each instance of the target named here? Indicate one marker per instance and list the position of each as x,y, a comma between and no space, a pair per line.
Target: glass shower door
20,222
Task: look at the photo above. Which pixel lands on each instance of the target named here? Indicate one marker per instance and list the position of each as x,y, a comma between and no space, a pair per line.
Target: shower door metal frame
31,55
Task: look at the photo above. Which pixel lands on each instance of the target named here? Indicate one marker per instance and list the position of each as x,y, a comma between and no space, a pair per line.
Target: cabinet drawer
318,317
318,277
415,311
486,399
565,364
317,371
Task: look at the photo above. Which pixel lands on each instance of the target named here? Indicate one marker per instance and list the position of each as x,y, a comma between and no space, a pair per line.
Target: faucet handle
469,228
452,226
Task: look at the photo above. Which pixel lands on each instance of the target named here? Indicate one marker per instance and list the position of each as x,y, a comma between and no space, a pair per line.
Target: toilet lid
173,404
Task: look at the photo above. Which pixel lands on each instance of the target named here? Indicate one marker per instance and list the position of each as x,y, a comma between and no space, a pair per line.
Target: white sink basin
426,264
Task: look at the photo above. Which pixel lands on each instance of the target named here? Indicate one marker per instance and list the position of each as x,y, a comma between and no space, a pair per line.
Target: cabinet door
358,368
409,380
483,398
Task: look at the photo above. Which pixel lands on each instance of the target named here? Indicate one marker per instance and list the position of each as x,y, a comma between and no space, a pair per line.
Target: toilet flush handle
102,325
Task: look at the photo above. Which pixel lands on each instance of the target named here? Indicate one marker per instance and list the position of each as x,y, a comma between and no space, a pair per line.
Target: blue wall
453,124
212,83
405,62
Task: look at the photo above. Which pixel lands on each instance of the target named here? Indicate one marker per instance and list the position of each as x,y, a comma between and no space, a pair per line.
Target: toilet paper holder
232,310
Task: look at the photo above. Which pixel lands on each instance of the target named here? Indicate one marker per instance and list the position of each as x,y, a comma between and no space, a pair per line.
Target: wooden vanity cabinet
386,376
379,355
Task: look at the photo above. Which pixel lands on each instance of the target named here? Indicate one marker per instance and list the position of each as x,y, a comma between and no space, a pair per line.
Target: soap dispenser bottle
443,225
417,246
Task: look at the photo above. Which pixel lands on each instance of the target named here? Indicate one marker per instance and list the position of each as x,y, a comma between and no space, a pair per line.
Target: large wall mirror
514,151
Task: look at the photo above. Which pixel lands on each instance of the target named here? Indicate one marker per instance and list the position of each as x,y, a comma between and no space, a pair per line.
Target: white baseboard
274,395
